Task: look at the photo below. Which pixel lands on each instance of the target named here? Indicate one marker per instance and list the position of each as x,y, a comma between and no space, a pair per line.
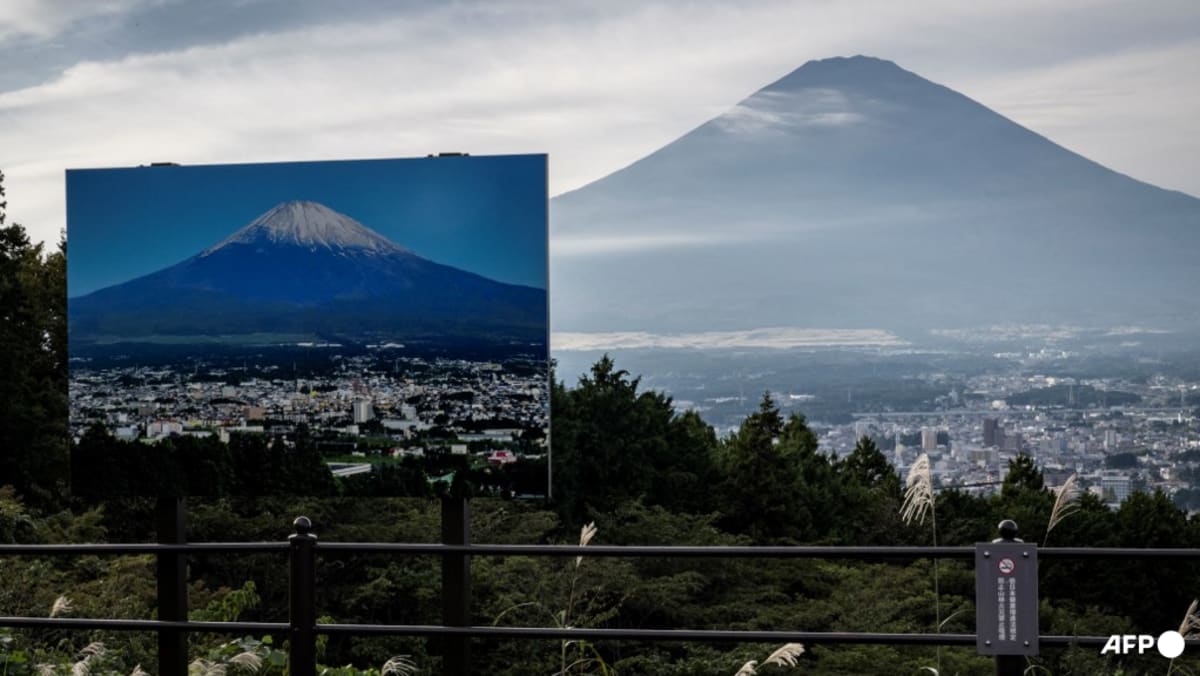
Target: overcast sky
597,85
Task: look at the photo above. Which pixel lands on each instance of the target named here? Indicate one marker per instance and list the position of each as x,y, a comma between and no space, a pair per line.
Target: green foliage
229,607
16,524
1023,475
613,443
33,366
250,464
776,486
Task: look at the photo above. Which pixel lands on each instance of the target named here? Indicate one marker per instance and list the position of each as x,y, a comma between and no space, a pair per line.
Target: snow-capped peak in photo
310,225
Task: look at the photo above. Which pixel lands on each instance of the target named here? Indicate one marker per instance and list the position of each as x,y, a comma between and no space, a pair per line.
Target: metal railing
456,550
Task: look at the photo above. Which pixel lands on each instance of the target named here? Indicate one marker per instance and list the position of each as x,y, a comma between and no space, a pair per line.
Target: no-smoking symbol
1007,566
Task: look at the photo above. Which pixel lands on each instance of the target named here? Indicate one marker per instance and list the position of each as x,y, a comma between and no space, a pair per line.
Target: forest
628,469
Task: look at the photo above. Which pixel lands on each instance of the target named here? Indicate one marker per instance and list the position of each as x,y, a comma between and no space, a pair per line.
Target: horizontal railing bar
698,635
144,548
1117,553
729,551
747,551
685,551
142,625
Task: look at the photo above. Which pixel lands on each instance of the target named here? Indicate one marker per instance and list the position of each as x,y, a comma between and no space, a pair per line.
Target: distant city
1120,417
1113,448
363,409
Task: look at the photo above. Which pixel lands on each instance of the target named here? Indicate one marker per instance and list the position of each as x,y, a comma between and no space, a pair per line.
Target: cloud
776,338
597,85
587,245
772,111
43,19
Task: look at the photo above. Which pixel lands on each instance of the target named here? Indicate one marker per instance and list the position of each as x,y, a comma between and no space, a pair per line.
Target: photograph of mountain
216,302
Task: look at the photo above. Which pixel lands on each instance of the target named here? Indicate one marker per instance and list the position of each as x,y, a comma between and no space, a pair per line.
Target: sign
283,329
1006,598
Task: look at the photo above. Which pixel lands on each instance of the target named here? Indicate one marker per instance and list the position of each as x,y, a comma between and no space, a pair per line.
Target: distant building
861,429
402,426
988,457
991,430
363,411
1115,487
501,458
928,439
1049,447
126,433
163,428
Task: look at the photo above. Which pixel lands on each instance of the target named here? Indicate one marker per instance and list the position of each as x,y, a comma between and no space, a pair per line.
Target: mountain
304,268
852,193
310,225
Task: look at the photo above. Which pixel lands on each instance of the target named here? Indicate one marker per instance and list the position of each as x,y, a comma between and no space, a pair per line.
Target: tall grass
62,606
567,616
400,665
785,656
1066,503
919,501
1188,628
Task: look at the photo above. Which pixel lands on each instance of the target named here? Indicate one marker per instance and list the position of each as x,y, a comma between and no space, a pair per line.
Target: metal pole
171,579
456,585
1010,665
302,607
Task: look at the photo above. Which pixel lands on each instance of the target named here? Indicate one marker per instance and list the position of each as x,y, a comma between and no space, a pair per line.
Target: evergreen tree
872,496
1023,474
868,466
612,444
33,377
758,487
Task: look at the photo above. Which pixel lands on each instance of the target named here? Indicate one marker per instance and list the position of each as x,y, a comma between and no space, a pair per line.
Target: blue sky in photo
486,215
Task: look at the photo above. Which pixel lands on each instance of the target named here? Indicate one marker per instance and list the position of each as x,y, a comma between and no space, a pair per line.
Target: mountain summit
853,193
310,224
302,268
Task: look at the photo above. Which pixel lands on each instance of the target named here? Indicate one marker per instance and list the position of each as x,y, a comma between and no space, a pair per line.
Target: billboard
370,327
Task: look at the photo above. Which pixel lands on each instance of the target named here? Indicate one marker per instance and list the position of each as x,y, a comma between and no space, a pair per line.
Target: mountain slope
302,267
853,193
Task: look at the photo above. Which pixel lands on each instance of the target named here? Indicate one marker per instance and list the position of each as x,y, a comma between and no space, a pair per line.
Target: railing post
456,585
302,606
171,579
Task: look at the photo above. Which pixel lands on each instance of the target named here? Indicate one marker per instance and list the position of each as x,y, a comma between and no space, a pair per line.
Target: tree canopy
33,369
